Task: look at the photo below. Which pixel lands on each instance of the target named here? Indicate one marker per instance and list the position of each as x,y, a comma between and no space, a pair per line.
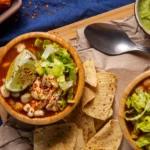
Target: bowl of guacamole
142,13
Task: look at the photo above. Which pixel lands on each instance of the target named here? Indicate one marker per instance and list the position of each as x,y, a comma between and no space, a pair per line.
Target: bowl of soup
42,78
134,112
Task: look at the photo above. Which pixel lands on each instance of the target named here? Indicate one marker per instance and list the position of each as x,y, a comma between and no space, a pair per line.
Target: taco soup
38,78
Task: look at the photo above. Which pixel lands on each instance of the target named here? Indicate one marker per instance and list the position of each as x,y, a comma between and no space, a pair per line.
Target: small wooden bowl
122,107
80,81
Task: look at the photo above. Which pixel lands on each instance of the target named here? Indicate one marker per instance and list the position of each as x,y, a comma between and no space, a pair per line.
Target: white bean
39,113
20,47
18,106
3,80
30,112
5,93
15,94
26,107
25,98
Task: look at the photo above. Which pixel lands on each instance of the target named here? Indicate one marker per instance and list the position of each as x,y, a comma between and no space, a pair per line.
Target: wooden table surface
69,32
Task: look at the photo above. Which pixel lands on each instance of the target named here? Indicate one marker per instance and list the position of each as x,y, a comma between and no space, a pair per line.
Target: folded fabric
12,137
46,15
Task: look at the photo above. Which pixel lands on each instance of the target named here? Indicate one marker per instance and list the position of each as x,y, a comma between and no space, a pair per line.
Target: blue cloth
44,15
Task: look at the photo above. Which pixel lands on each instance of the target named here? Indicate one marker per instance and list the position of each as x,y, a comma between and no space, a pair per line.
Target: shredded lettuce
136,131
138,101
138,110
72,75
128,102
45,63
38,43
140,114
45,43
56,61
143,140
61,104
70,95
39,69
56,68
66,85
144,125
148,147
61,79
48,50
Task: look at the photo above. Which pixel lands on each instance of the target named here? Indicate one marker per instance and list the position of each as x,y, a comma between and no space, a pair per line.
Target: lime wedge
21,72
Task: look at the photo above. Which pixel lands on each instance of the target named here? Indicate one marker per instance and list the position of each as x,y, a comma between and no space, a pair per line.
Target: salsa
38,78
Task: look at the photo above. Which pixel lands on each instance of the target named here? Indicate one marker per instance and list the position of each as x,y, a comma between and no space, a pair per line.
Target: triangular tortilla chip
99,123
90,72
88,95
56,137
108,138
80,143
83,121
100,106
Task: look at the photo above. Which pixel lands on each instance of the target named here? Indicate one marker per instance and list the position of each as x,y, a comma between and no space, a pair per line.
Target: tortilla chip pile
89,126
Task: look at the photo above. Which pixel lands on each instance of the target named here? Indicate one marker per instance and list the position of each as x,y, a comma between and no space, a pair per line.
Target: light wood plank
69,31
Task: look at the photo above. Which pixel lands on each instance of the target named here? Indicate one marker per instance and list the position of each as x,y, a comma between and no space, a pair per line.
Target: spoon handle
142,48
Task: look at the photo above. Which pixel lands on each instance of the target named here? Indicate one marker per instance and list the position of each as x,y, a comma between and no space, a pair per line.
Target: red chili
35,85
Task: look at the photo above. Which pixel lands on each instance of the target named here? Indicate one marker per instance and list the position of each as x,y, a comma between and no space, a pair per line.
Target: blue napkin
44,15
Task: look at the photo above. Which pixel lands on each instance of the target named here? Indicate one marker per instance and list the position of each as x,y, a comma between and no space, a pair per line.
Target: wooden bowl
80,81
122,107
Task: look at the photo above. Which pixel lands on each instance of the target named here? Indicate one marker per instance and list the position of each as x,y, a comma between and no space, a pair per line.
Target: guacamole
144,13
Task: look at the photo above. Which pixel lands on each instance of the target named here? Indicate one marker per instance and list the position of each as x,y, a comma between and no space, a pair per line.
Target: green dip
144,13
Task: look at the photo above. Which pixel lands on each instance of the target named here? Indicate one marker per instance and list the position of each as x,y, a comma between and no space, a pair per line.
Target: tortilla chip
80,140
91,127
88,95
100,106
108,138
83,121
99,123
90,72
54,137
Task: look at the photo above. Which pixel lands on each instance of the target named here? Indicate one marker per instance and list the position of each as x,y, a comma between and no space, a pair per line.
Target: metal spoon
110,39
